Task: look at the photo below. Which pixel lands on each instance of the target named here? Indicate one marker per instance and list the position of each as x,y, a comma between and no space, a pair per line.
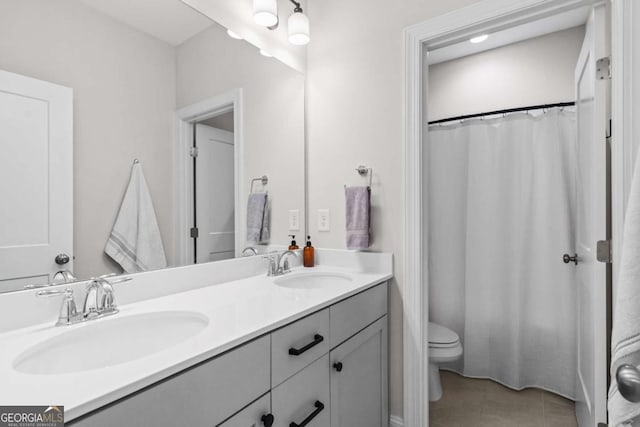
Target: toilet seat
441,337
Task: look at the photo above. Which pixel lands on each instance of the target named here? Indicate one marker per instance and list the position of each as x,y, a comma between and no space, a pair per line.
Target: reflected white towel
625,337
135,241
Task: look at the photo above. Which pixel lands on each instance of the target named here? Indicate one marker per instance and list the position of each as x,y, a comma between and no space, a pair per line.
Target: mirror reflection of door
214,189
36,180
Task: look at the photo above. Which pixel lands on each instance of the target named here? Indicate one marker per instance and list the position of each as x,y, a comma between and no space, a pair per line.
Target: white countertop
238,311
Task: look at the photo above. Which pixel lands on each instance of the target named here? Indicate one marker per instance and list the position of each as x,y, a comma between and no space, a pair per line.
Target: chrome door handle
566,258
628,378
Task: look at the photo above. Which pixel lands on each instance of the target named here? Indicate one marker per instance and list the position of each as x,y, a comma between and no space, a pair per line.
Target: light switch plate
294,220
324,220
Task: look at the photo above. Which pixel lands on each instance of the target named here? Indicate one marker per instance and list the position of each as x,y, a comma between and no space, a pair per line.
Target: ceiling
552,24
171,21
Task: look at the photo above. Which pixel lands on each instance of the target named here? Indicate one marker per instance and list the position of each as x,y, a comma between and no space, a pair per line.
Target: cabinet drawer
303,396
355,313
202,396
307,339
252,415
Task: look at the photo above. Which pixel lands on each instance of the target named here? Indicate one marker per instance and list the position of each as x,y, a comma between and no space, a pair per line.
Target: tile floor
483,403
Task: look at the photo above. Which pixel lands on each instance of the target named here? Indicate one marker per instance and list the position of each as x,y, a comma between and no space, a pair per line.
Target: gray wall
531,72
124,101
211,63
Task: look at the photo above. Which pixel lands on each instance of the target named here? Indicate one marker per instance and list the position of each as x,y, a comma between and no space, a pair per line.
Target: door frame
478,18
183,168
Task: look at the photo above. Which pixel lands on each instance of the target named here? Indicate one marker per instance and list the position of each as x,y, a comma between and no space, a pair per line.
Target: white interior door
215,194
36,179
591,106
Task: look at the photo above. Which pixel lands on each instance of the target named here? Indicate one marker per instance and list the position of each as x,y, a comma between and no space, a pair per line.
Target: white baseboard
395,421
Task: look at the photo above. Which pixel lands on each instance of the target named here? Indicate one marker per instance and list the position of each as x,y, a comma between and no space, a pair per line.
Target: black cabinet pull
267,420
338,366
319,407
317,339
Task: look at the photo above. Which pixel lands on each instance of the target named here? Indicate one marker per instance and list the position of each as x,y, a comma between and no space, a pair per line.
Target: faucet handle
68,311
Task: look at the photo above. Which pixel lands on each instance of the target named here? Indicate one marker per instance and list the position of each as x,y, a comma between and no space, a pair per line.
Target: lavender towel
358,210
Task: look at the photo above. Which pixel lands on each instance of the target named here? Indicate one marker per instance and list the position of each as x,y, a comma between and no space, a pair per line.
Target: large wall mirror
138,137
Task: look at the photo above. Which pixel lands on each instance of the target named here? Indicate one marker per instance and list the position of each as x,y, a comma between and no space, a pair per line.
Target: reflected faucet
249,251
66,276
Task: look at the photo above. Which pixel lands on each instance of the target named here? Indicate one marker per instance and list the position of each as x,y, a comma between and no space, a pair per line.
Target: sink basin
110,341
314,280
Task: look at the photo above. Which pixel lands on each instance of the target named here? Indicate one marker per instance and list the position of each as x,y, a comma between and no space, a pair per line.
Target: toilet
444,346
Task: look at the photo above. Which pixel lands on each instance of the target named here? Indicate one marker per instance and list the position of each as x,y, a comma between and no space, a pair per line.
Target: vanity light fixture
298,26
479,39
233,35
265,12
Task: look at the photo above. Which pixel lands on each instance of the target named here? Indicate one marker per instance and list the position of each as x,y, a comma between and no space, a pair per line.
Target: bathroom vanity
308,348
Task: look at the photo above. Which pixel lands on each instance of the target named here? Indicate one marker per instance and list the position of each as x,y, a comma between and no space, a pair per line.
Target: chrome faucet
279,263
99,301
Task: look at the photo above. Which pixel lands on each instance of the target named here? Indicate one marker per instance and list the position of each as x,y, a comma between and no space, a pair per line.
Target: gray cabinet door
359,379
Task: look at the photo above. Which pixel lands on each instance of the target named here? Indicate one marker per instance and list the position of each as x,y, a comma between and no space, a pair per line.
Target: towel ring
364,170
264,179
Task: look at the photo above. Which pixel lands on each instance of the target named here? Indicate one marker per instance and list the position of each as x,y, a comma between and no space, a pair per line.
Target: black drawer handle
317,339
319,407
267,420
338,366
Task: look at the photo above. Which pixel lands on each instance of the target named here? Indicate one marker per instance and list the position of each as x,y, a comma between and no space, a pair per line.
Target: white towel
135,241
625,337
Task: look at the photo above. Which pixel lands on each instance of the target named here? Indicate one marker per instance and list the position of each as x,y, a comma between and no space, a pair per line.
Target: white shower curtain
501,209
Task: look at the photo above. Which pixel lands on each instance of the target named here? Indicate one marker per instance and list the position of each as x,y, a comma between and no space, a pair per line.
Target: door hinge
603,251
603,68
193,152
194,232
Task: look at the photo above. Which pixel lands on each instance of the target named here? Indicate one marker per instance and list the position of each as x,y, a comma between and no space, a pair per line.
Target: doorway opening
209,174
448,37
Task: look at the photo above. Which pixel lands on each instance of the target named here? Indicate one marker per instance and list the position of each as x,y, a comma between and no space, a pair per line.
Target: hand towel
135,241
625,336
258,218
358,212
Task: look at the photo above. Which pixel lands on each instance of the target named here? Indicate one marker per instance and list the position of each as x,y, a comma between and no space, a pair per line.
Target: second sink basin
313,280
109,342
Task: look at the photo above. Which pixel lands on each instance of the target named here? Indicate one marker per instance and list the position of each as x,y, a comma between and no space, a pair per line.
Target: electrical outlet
294,220
324,220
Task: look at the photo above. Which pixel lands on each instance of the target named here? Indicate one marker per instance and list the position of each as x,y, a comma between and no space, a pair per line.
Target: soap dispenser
308,254
293,246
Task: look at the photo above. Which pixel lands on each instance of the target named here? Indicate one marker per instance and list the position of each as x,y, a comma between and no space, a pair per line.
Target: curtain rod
510,110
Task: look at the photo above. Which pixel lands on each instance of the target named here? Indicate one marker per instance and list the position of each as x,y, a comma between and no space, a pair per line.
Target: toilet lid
439,336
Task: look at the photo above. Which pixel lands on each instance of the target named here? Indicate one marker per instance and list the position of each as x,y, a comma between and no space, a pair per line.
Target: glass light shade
298,27
265,12
265,53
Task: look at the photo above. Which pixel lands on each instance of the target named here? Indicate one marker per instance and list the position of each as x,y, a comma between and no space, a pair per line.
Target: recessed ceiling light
479,39
265,53
233,35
